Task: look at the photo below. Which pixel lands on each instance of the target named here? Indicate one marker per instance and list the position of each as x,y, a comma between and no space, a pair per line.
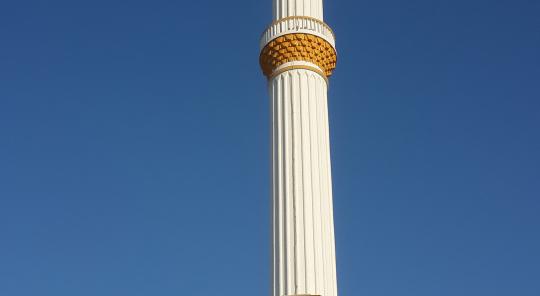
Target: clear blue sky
134,148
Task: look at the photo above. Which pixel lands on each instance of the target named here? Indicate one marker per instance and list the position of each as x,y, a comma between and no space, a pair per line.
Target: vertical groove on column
317,11
283,176
281,198
290,206
317,232
296,197
306,170
274,254
308,204
312,95
297,157
307,6
290,8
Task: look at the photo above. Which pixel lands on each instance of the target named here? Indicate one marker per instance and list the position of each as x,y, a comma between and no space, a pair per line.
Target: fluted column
298,55
287,8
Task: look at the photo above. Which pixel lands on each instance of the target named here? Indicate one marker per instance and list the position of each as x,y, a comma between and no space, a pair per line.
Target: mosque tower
297,56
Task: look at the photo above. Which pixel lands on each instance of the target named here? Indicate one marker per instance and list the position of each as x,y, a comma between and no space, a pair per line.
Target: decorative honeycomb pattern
298,47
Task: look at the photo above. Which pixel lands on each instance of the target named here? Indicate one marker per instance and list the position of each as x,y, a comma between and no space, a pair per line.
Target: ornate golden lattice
298,47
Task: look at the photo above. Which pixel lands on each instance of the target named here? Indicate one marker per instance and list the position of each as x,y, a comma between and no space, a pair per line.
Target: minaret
298,55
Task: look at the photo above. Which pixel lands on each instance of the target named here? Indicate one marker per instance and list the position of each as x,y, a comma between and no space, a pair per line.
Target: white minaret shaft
286,8
297,56
303,235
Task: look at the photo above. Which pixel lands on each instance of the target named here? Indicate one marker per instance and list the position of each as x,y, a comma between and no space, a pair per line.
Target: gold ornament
298,47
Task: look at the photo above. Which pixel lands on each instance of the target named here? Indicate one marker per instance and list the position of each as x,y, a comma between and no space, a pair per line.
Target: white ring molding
299,65
293,24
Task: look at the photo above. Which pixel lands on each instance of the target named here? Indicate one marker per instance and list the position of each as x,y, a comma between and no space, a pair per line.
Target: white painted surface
297,25
297,63
303,250
286,8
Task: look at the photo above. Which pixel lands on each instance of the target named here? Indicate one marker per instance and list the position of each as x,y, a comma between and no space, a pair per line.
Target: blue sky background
134,147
